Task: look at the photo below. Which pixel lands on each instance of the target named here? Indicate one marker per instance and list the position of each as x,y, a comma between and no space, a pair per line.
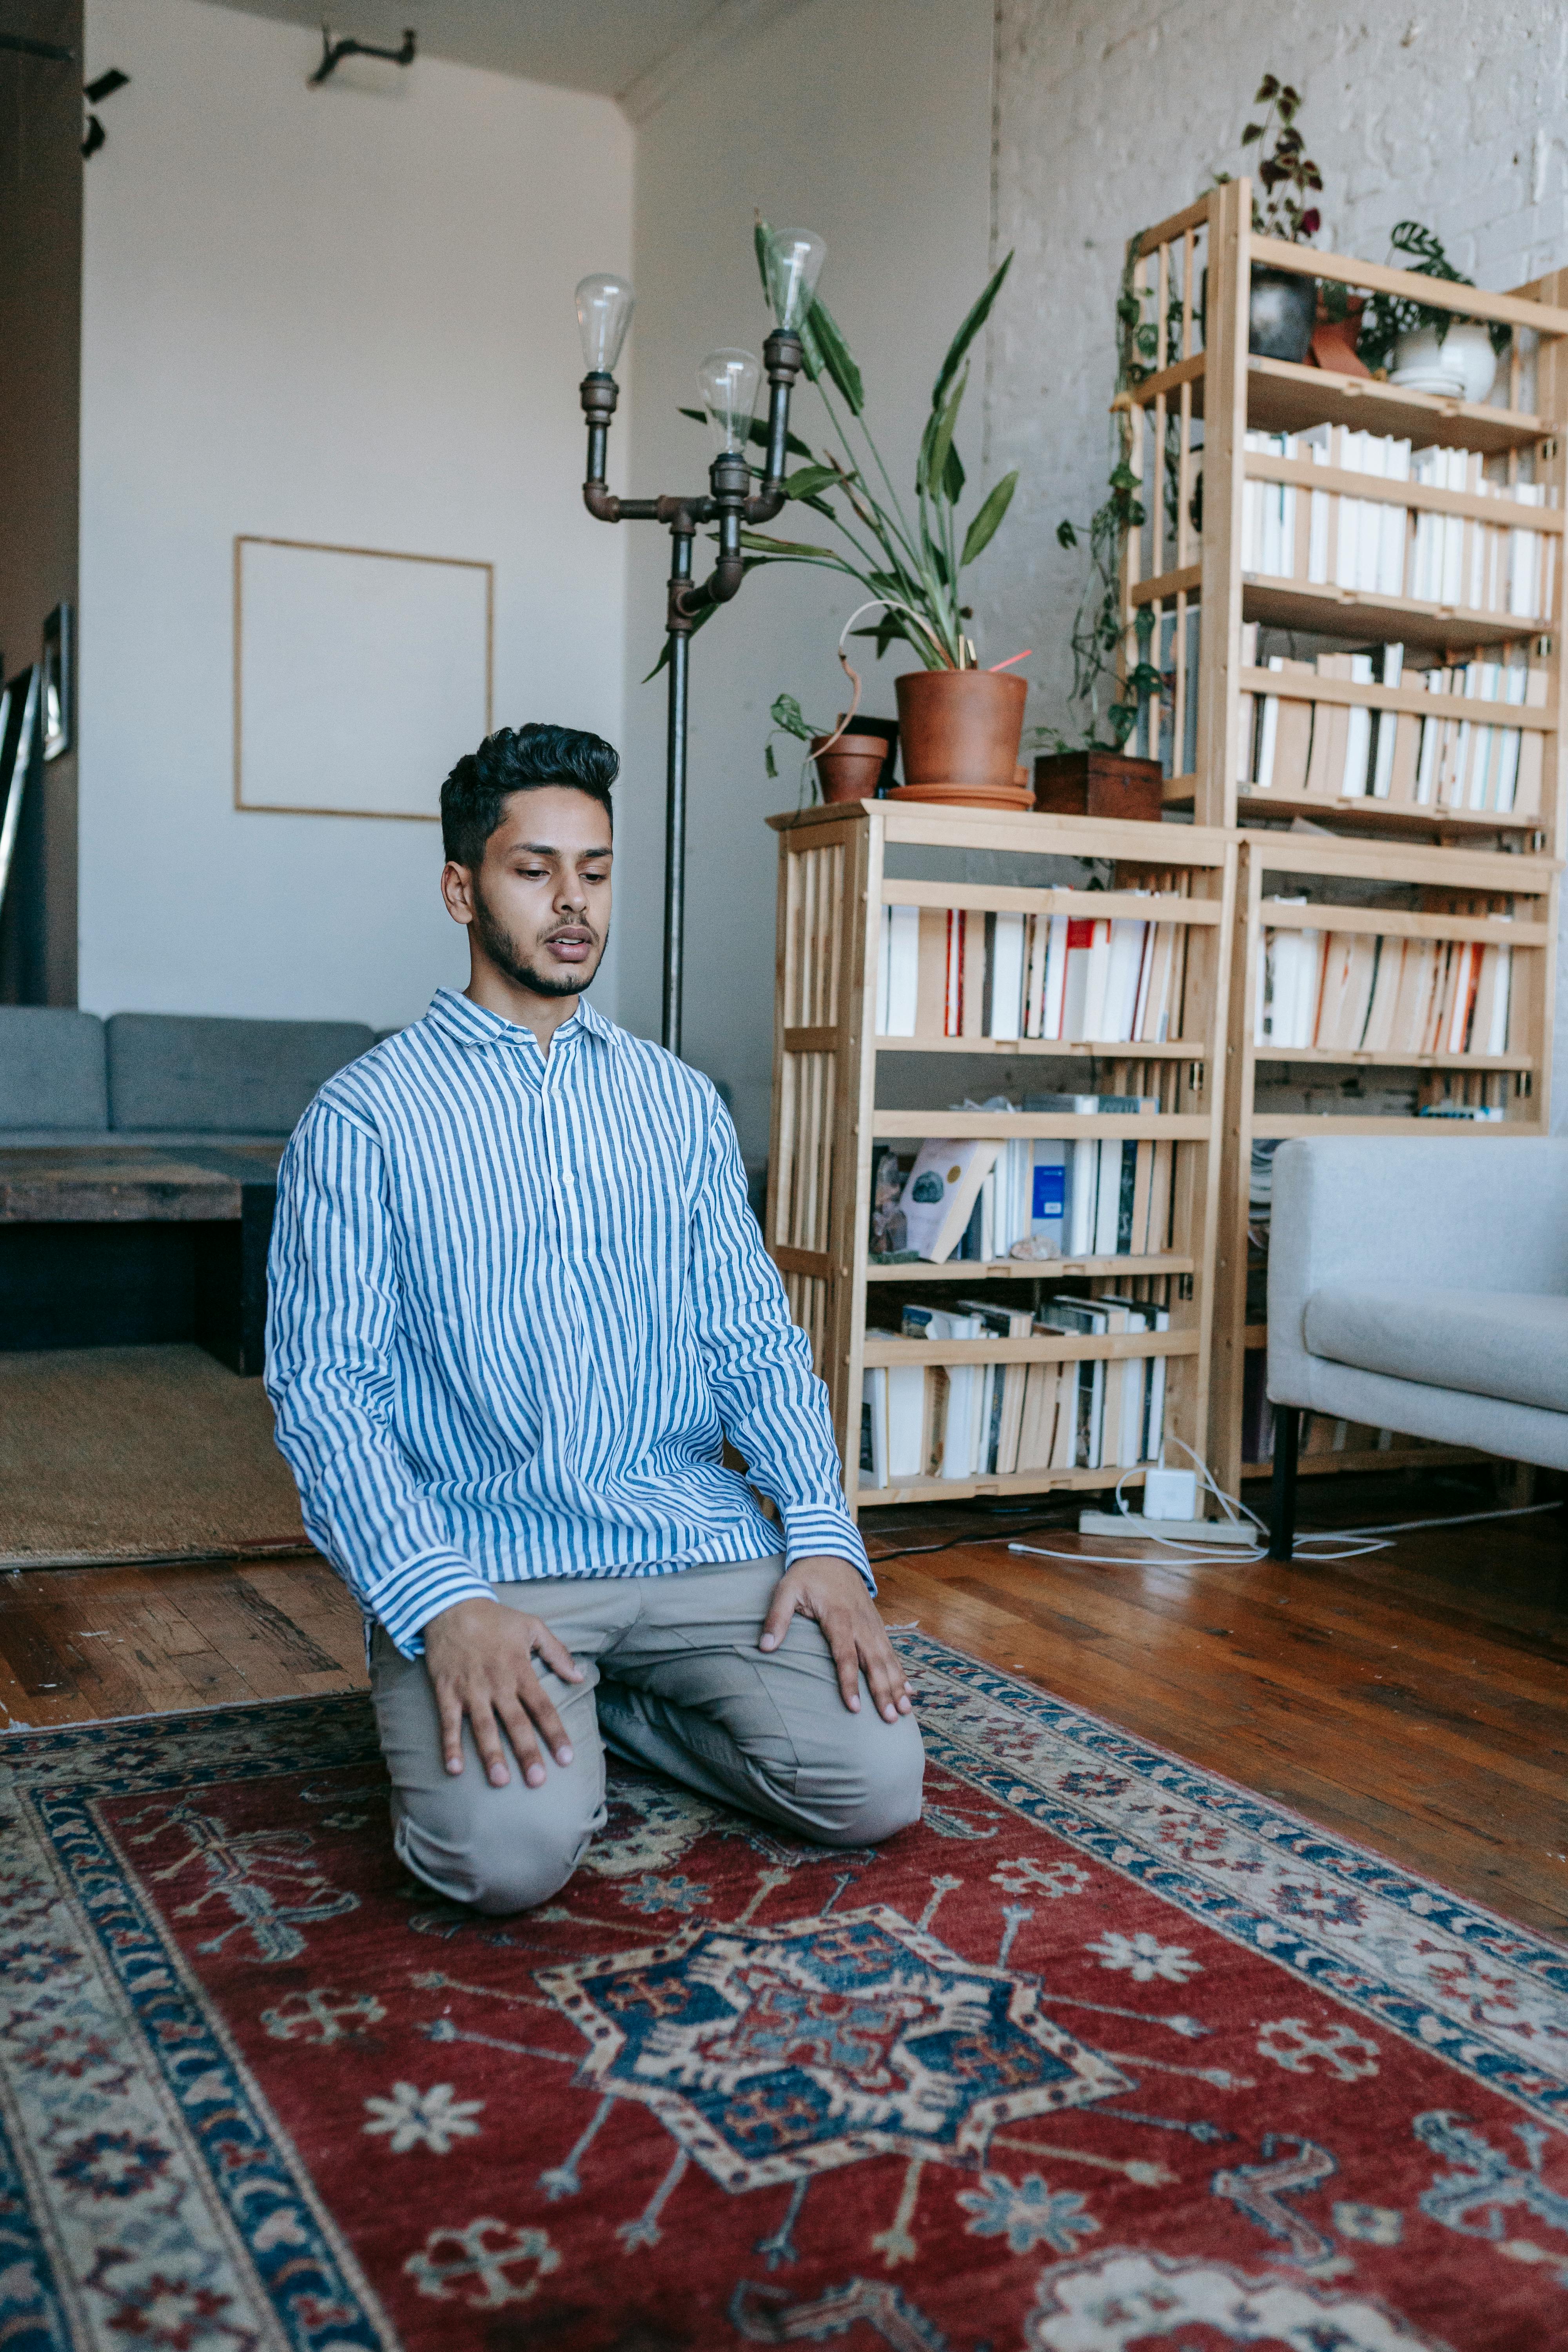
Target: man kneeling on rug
517,1301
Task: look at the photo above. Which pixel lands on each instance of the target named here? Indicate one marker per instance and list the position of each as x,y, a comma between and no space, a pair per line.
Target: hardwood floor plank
1413,1700
1335,1697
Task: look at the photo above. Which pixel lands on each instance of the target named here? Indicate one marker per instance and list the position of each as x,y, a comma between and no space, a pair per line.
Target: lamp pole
728,384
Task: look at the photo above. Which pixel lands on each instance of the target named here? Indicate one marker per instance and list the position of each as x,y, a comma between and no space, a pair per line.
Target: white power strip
1131,1526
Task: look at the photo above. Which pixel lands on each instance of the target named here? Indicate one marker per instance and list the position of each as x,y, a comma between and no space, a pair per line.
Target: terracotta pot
960,731
853,768
1334,340
887,729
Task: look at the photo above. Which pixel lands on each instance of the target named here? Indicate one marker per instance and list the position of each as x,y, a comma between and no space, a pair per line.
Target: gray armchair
1420,1285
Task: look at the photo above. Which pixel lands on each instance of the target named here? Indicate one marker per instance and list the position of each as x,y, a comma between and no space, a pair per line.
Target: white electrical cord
1193,1552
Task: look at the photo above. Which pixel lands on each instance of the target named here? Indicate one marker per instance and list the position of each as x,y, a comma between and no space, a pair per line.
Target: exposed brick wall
1109,116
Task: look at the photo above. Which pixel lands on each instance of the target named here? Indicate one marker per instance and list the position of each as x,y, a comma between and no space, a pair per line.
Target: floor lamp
729,381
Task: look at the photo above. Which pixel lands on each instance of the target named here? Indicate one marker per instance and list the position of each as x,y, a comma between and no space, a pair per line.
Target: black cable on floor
1028,1528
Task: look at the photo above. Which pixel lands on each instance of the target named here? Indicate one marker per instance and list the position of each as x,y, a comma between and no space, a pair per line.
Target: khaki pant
673,1678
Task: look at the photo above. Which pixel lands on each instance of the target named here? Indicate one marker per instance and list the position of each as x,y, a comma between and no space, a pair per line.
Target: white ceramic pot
1464,365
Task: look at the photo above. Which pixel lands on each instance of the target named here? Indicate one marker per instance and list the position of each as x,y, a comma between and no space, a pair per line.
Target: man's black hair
518,759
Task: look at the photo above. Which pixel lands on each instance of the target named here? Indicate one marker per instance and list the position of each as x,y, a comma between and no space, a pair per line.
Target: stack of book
1379,546
990,1420
947,972
1349,991
1292,743
1077,1197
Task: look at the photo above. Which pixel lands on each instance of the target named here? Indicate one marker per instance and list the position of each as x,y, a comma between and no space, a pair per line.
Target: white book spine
1006,976
1056,978
1497,1042
903,971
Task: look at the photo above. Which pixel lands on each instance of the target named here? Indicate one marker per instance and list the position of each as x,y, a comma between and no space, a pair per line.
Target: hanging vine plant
1097,627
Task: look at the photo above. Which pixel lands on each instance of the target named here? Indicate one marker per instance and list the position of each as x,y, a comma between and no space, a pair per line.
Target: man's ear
458,890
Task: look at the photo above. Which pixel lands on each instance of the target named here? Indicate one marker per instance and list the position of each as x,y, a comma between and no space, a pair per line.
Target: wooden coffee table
120,1245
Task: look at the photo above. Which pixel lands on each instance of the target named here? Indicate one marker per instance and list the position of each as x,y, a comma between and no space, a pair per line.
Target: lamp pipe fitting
599,393
783,358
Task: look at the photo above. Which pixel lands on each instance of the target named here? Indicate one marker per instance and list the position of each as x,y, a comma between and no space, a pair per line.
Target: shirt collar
467,1024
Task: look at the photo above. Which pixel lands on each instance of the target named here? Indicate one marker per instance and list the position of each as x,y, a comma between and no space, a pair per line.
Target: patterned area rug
1105,2056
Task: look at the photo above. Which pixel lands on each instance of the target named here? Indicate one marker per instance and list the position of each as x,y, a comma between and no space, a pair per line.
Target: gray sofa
69,1078
1420,1285
138,1172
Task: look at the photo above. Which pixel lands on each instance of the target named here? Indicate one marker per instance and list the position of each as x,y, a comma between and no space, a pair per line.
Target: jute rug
137,1453
1106,2056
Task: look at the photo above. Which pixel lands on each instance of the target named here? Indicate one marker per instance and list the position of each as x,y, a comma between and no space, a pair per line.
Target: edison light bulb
729,381
604,314
795,257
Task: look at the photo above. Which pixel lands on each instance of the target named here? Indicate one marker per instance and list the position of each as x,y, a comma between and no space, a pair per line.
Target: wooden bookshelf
1336,879
838,866
1396,865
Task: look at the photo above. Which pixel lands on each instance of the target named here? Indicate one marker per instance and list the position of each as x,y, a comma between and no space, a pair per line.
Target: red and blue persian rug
1107,2055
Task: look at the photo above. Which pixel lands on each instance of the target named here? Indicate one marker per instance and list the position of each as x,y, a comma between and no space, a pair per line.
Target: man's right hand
480,1657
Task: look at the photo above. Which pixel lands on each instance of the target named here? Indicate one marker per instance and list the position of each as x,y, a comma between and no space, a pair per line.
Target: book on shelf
1293,744
1080,1196
1384,547
1114,1196
1359,991
957,972
898,972
996,1420
942,1191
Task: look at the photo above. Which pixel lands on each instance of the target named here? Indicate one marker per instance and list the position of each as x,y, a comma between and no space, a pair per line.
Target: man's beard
503,952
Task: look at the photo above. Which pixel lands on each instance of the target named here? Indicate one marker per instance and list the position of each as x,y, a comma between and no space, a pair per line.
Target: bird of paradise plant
908,563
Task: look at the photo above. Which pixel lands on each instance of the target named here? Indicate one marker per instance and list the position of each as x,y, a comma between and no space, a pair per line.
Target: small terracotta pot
959,729
1334,340
853,768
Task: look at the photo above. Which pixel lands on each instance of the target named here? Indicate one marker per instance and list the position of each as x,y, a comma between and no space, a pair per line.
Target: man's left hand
834,1594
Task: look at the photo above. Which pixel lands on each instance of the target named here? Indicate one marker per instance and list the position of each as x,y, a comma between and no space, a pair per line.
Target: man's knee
868,1785
499,1850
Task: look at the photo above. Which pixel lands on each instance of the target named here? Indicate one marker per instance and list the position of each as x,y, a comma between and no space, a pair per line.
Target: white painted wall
342,314
868,121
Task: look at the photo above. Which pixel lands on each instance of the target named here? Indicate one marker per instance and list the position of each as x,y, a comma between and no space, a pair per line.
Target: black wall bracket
334,52
95,93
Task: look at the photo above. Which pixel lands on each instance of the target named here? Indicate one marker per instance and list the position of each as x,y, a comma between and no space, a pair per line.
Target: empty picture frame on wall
57,681
361,677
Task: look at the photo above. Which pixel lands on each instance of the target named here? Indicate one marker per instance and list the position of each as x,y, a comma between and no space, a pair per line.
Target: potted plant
1423,348
958,725
1282,307
853,757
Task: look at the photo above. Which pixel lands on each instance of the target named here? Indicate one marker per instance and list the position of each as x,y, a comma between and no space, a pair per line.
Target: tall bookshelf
839,1090
1405,862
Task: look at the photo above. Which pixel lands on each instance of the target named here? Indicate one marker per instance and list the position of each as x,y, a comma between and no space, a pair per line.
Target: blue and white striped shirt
516,1302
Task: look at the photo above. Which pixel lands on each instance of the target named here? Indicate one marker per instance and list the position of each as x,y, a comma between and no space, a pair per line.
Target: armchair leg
1283,1516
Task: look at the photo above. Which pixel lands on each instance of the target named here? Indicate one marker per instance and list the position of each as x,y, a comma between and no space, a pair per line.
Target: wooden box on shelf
1099,783
840,869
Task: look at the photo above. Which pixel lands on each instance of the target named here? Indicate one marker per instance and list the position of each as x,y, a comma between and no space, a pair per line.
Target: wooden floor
1415,1700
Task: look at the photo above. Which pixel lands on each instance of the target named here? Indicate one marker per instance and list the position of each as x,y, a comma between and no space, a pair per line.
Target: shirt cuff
817,1529
420,1591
